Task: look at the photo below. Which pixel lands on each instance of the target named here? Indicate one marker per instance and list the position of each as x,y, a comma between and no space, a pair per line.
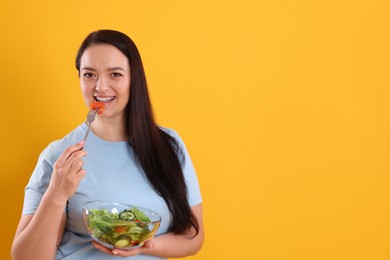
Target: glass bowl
117,225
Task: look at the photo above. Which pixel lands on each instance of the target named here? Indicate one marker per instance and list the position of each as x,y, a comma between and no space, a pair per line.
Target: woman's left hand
124,253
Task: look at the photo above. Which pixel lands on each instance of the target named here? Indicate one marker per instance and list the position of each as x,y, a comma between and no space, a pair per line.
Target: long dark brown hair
158,153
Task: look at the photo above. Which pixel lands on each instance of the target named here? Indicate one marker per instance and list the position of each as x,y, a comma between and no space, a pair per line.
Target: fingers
68,171
148,244
75,162
70,160
117,252
69,152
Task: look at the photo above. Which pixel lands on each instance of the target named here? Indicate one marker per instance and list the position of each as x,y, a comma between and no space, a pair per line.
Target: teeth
104,99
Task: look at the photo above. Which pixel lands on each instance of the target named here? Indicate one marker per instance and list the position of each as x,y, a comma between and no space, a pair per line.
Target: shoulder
172,133
55,148
169,131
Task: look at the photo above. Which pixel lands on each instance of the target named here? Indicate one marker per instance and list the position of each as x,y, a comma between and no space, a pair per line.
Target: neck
110,130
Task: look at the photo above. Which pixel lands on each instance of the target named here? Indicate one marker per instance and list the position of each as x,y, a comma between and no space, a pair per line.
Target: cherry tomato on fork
98,105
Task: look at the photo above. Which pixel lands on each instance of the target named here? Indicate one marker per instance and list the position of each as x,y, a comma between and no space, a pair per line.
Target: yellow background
283,105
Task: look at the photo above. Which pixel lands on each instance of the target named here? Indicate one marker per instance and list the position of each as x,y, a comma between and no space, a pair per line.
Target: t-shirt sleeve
194,193
38,183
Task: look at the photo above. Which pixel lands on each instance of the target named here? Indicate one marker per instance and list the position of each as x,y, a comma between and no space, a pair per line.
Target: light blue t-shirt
113,175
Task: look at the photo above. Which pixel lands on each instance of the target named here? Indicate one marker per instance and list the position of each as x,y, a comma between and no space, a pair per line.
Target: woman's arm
168,245
171,245
38,235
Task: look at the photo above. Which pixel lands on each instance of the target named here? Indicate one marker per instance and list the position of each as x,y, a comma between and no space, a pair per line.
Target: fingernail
114,252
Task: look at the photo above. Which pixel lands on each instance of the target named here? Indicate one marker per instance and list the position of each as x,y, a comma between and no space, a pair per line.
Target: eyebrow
109,69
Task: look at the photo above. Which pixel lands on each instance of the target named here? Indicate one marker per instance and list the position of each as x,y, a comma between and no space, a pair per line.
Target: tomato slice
134,242
120,229
98,105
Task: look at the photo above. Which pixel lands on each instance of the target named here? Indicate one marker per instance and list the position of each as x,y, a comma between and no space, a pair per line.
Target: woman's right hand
68,171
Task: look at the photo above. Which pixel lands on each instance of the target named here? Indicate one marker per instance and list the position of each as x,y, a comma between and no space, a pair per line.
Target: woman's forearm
170,245
173,246
38,235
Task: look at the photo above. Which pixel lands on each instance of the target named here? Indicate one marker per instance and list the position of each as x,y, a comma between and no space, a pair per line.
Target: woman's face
105,77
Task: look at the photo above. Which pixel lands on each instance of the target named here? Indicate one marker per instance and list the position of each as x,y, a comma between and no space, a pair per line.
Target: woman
127,158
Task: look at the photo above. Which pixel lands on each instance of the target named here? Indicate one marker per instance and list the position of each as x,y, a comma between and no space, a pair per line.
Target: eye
88,75
116,74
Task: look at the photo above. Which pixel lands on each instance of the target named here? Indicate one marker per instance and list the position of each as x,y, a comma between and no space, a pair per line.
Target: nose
101,84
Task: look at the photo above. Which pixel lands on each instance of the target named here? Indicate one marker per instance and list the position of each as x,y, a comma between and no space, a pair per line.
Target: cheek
85,87
124,88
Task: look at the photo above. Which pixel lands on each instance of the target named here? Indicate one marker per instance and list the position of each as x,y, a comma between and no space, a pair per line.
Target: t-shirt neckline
94,138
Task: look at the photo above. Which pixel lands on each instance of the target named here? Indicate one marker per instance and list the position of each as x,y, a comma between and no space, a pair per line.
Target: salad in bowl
116,225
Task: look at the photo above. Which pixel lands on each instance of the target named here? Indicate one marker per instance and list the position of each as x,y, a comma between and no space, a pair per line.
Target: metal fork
90,118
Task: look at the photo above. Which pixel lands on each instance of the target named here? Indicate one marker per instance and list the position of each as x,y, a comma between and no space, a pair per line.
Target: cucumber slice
122,242
126,215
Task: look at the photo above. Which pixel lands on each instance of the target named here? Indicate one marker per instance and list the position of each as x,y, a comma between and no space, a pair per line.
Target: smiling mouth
104,99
